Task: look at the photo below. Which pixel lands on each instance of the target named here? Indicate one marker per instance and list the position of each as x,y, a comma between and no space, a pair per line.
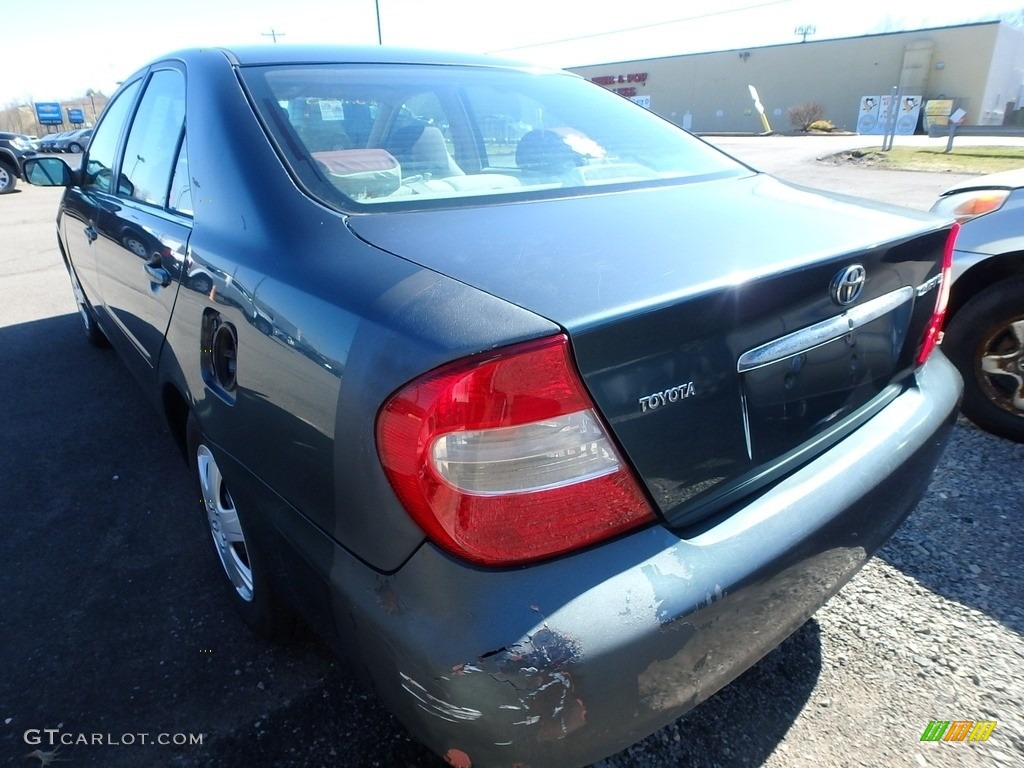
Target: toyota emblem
848,284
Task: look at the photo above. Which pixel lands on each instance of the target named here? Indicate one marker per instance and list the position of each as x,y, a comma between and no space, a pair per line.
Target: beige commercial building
980,66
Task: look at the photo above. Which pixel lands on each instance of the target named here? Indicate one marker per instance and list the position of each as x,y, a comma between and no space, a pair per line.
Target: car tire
75,147
985,341
241,566
8,179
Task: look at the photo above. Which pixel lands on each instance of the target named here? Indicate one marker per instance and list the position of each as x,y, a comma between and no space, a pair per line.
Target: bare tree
803,115
11,118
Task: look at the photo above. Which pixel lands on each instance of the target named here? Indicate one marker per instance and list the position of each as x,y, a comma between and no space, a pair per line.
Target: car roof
1005,180
256,55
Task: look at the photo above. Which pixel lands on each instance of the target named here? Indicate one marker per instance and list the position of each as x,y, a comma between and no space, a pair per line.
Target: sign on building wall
643,101
621,84
876,112
936,112
867,116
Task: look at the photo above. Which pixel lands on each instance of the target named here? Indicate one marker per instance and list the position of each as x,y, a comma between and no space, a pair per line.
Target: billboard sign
76,116
49,113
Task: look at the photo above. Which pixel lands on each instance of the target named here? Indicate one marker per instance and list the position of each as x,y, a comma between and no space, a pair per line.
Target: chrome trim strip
816,335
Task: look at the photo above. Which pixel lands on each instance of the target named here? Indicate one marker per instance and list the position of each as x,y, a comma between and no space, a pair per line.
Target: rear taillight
502,458
933,335
964,206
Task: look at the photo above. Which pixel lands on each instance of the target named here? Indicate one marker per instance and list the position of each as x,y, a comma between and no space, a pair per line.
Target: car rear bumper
572,660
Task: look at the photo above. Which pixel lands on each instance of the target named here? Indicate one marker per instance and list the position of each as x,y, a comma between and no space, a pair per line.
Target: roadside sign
76,116
760,108
49,113
936,112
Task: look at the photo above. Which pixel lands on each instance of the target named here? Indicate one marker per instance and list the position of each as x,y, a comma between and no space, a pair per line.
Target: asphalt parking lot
115,629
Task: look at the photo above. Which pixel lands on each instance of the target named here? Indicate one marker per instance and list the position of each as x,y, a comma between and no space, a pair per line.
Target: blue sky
63,47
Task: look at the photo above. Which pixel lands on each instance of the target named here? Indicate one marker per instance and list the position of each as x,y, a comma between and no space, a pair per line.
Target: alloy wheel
1000,369
225,528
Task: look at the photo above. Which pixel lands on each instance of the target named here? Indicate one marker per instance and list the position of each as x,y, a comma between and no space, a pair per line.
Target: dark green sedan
552,417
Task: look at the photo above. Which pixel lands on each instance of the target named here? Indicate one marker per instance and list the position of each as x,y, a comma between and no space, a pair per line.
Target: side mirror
48,172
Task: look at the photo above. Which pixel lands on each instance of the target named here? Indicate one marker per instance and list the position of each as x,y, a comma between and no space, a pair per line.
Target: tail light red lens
933,335
502,458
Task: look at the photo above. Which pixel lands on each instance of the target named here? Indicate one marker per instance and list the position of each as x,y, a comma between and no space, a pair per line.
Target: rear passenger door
143,237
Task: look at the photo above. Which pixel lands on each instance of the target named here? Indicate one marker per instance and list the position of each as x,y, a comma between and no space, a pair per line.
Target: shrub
804,114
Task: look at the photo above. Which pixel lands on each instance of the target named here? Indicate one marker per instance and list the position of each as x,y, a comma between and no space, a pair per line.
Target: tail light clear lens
502,458
933,334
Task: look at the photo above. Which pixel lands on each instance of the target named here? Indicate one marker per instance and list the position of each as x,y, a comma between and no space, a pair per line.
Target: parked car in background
55,143
75,141
984,336
46,143
15,148
555,432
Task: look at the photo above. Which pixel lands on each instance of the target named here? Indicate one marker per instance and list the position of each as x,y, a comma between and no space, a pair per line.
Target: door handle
157,274
91,233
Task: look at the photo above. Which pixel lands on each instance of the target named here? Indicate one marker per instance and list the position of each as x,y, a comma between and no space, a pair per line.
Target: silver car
74,141
985,327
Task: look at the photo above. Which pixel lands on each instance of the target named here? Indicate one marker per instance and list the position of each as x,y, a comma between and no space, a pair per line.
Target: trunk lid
705,317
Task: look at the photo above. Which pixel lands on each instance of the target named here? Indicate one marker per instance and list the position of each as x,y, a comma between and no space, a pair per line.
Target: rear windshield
378,135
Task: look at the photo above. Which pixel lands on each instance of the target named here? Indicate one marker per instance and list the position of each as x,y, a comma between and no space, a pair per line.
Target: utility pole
273,34
92,100
376,4
804,30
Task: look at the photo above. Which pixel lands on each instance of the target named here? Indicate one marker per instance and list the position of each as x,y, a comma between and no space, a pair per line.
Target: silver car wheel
7,179
985,341
225,528
1001,367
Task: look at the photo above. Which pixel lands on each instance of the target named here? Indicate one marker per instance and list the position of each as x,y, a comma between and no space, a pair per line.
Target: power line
644,26
274,34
